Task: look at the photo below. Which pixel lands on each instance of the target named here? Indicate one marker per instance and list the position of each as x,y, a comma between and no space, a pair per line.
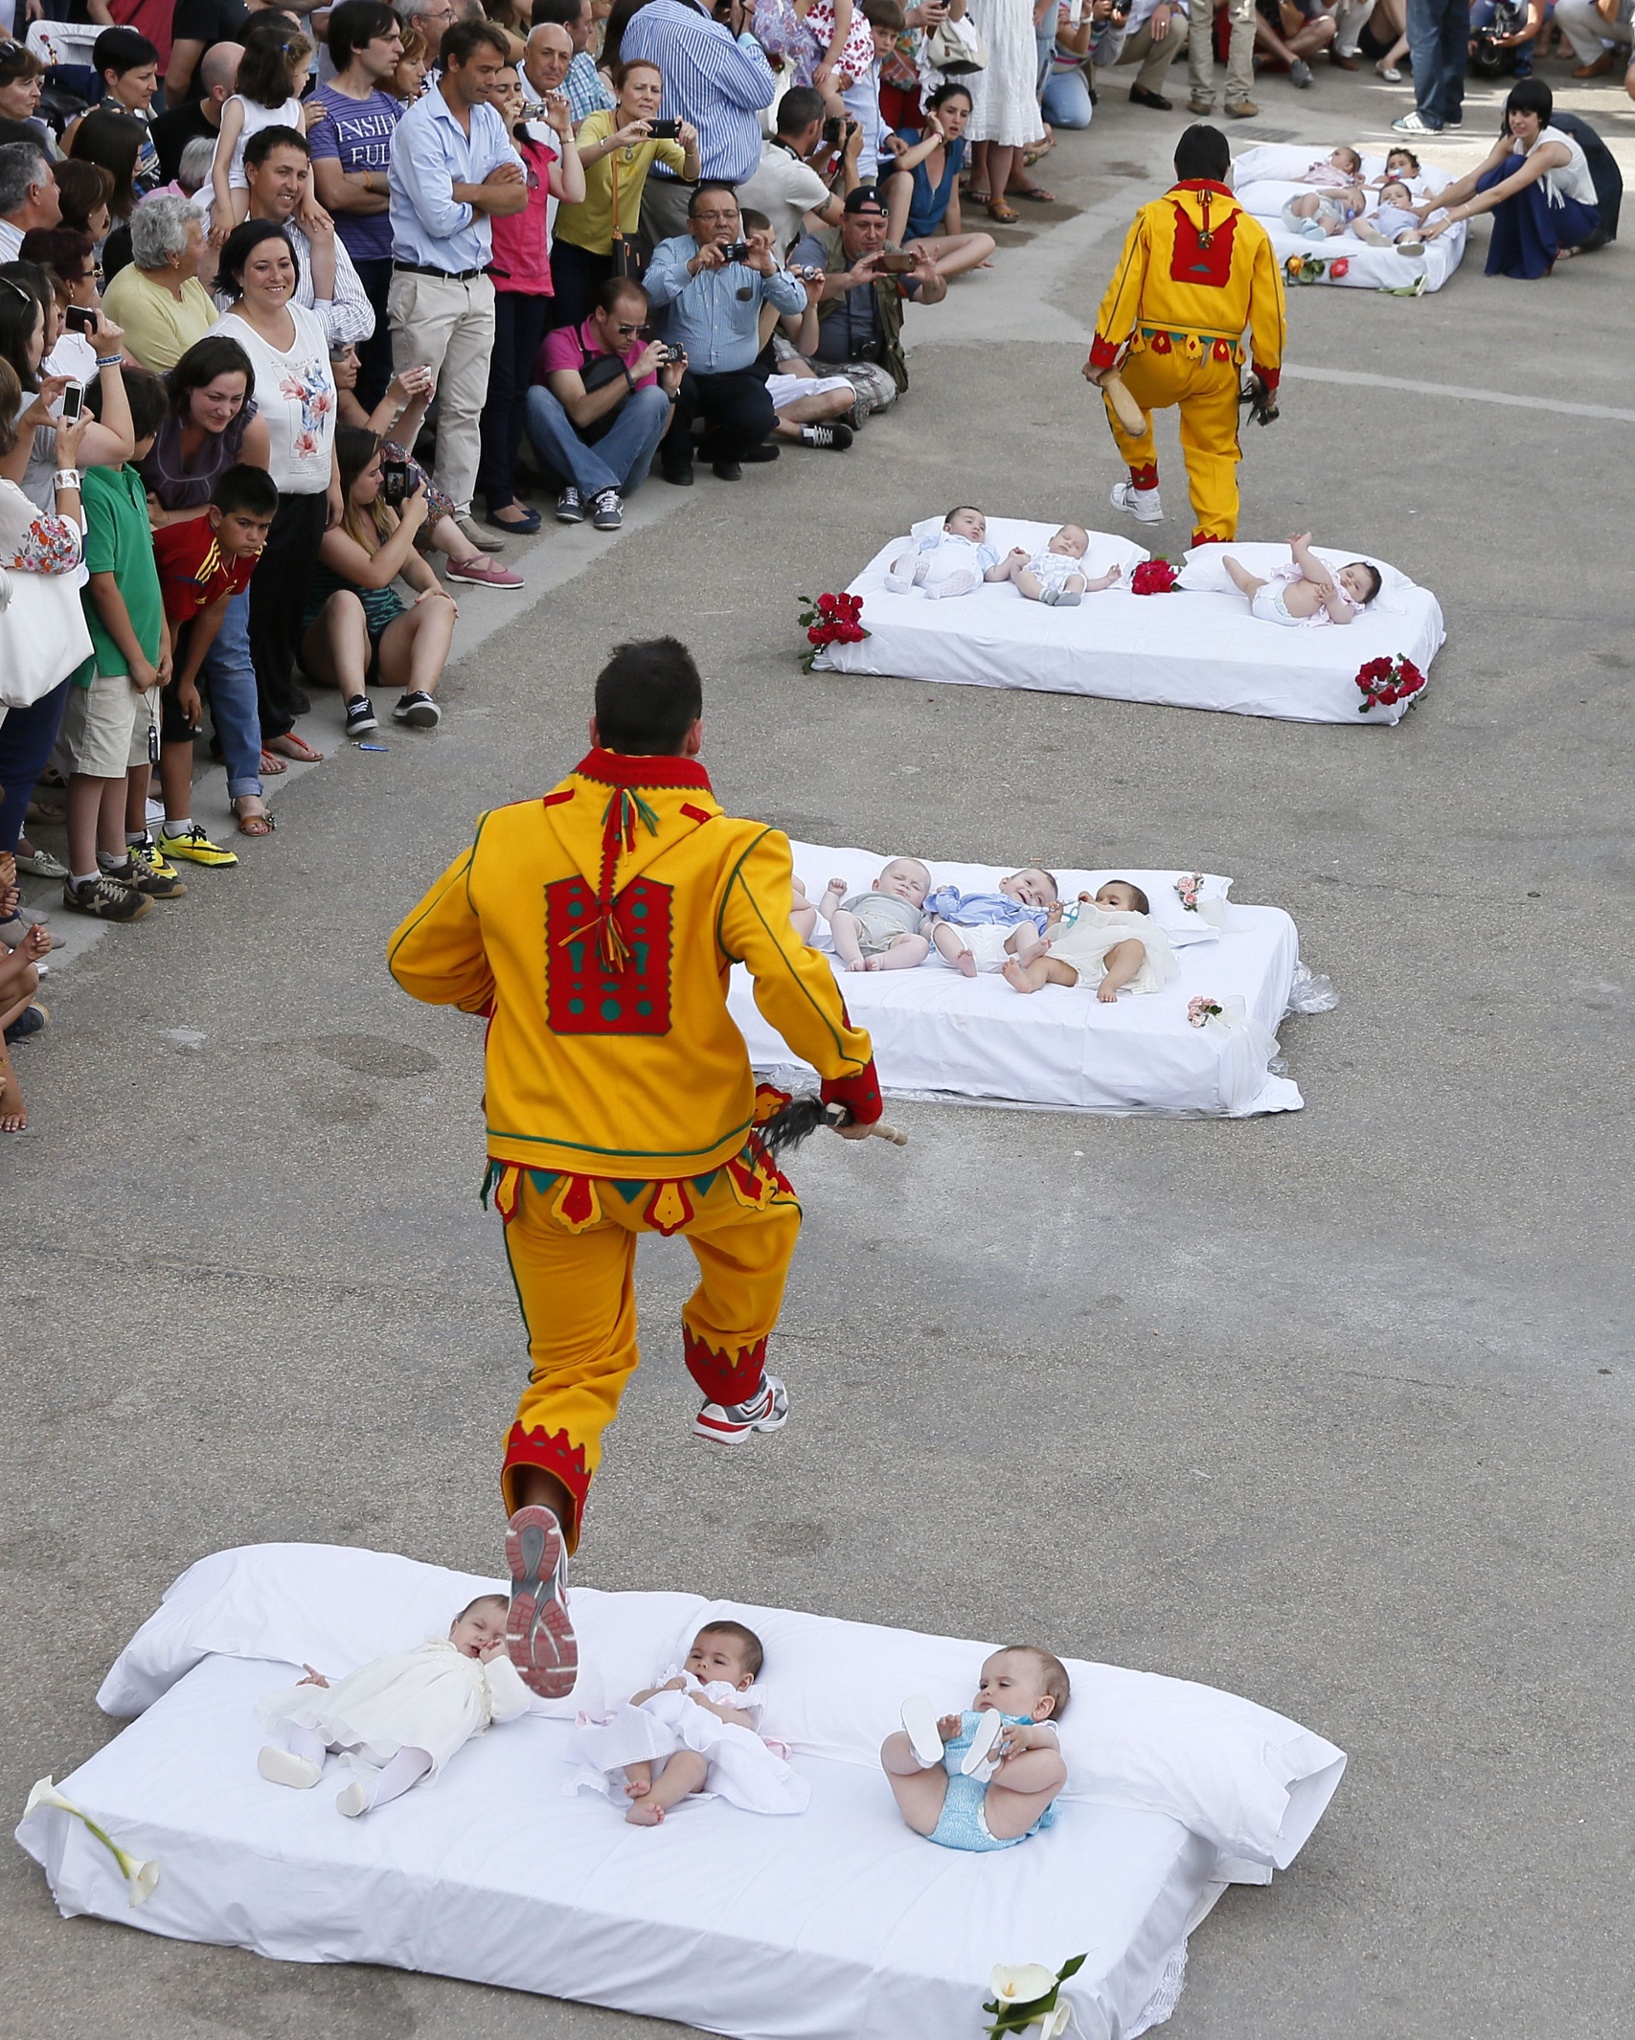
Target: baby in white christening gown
399,1718
1112,940
695,1730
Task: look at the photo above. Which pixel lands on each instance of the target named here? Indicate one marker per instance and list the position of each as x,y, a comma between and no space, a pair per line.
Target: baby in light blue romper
987,1778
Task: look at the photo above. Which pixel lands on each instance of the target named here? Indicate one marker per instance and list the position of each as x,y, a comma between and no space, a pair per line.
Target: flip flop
538,1632
987,1732
1036,193
271,764
296,747
920,1726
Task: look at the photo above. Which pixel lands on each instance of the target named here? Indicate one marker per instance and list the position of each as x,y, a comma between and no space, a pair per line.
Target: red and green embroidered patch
585,995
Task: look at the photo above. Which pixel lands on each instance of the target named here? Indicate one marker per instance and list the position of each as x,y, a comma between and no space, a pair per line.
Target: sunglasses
627,332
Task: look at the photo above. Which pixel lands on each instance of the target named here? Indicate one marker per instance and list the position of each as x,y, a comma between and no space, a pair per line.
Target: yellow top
158,329
590,225
597,928
1195,262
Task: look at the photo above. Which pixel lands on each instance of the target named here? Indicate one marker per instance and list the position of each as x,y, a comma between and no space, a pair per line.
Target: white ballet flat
987,1732
920,1726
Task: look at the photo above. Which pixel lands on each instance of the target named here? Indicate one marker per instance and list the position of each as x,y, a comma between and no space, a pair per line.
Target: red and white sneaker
539,1635
732,1423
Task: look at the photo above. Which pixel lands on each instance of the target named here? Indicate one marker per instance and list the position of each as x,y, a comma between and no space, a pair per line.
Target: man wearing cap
860,308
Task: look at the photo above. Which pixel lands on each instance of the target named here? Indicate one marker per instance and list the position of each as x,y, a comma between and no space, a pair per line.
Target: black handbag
627,257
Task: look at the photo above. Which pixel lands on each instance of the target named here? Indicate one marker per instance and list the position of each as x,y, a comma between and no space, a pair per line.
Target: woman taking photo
357,627
295,397
1535,181
213,426
617,151
923,197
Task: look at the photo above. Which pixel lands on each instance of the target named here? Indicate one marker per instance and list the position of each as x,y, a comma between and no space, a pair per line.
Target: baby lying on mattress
1306,593
983,931
958,559
1112,939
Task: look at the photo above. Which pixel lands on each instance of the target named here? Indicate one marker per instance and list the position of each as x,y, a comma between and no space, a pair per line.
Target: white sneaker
920,1726
732,1423
284,1767
1412,124
988,1731
1142,504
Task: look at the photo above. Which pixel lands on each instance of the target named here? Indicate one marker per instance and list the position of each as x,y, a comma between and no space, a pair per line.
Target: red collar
1203,184
621,768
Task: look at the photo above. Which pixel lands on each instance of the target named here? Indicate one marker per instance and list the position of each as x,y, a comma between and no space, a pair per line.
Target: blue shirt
982,910
930,202
431,153
704,313
718,85
583,89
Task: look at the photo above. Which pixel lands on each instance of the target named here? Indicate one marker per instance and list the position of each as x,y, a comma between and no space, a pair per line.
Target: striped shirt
717,84
584,88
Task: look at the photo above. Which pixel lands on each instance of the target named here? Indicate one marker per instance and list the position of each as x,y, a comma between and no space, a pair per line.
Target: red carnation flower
1153,577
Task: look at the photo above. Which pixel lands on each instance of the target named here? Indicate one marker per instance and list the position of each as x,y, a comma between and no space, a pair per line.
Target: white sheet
938,1033
1264,178
1185,650
835,1925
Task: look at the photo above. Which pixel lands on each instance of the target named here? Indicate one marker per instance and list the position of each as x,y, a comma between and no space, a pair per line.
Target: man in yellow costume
1196,271
595,929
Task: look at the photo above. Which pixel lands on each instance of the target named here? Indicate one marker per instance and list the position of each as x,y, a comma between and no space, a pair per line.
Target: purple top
358,135
180,487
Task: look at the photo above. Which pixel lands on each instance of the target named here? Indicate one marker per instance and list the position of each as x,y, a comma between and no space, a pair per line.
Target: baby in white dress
880,929
1113,938
1305,593
696,1730
1056,575
399,1718
951,561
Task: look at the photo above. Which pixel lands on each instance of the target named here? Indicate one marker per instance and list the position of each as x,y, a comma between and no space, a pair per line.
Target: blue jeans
1067,99
1438,44
618,460
229,684
26,739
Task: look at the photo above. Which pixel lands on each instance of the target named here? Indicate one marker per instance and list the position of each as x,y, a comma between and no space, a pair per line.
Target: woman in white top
1535,181
295,397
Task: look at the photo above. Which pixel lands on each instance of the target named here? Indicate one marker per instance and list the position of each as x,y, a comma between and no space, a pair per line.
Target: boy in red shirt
203,563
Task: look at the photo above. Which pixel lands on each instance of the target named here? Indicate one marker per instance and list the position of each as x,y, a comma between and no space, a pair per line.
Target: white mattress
837,1924
1265,178
940,1034
1191,650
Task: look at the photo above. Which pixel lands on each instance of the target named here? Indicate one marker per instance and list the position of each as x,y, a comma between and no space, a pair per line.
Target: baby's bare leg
638,1780
1123,960
1020,1791
1365,230
683,1773
1027,943
1028,585
952,944
848,947
1245,582
901,953
1040,971
919,1792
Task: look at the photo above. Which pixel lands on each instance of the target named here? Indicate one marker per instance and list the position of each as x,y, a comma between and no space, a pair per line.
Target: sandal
271,764
261,824
295,747
976,197
1001,214
1036,192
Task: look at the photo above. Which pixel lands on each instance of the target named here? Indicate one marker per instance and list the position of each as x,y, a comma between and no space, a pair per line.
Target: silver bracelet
65,478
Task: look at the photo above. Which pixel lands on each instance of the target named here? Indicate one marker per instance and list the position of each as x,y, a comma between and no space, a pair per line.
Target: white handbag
954,49
43,634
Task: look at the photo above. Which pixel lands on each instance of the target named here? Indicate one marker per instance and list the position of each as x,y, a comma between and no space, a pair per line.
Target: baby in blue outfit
987,1778
980,931
952,561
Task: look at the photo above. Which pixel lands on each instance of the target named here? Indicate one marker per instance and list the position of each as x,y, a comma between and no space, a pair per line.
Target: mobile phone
394,483
73,403
894,262
664,130
80,319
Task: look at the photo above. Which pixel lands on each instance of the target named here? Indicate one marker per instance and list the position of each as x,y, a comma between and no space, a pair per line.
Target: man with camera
788,183
608,399
708,286
860,307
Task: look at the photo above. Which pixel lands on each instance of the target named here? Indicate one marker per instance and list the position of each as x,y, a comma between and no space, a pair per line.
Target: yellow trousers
571,1242
1205,390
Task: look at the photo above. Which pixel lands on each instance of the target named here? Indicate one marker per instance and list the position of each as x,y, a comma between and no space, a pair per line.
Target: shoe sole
987,1732
210,859
539,1635
485,580
418,719
919,1719
118,920
607,524
363,729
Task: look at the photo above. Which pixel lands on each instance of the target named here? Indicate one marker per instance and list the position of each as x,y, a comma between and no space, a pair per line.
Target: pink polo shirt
569,346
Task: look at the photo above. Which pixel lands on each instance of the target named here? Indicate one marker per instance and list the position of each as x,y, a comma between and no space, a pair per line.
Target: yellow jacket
597,928
1195,271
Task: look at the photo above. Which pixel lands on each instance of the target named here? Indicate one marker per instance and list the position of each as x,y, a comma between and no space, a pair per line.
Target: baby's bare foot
1107,998
645,1816
860,964
965,963
1016,977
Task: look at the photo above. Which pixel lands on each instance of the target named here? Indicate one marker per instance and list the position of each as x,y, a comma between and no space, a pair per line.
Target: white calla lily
1021,1982
1055,2023
141,1875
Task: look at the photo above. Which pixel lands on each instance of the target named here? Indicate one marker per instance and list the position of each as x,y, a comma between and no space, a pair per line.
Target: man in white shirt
28,196
278,170
785,186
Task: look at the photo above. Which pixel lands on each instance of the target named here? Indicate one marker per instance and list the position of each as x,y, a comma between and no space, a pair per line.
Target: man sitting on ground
860,306
787,185
812,410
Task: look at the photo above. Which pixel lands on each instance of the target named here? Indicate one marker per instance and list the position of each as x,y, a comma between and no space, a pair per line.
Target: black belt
448,275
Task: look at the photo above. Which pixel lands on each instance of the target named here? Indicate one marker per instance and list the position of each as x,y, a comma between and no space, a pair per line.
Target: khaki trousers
1240,58
449,326
1154,58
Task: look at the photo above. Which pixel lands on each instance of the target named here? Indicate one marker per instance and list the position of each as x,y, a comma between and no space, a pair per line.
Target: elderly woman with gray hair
162,305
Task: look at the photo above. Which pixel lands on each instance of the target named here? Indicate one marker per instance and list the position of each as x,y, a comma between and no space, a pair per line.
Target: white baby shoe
986,1733
920,1726
284,1767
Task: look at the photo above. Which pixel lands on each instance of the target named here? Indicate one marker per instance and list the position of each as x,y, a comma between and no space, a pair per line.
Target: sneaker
606,511
196,847
569,508
1241,109
481,573
360,716
418,709
1300,73
1411,124
832,438
145,856
105,899
732,1423
41,863
160,884
1142,504
1453,123
539,1635
757,455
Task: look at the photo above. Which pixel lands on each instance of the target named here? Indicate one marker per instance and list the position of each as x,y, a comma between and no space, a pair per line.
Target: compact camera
734,251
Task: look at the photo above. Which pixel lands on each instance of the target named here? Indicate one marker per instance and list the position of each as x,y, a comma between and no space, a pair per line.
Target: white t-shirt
786,190
1574,179
295,395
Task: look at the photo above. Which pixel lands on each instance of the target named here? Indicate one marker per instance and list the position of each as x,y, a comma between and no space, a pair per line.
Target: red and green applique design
607,968
1202,254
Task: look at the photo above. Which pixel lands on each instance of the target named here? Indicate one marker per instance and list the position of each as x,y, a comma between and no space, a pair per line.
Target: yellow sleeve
1268,318
794,986
437,953
1121,307
595,127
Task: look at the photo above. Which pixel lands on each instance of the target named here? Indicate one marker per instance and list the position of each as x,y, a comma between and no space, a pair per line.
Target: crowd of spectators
298,310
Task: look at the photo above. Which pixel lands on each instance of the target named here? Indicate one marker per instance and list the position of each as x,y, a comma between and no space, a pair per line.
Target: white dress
1084,942
742,1768
1004,96
433,1699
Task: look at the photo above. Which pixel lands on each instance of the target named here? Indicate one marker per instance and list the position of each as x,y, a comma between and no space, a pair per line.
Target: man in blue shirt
452,169
709,302
717,78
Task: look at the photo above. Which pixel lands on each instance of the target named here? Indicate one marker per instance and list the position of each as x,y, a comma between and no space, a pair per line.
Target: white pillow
1205,569
1286,160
